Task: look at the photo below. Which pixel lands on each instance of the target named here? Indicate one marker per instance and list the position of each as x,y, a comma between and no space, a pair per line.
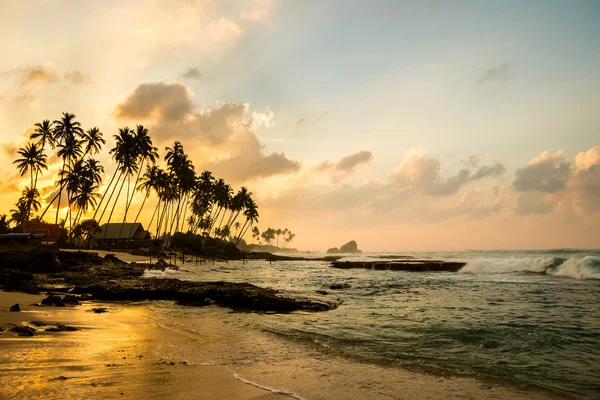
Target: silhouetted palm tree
44,133
92,141
145,151
33,160
67,132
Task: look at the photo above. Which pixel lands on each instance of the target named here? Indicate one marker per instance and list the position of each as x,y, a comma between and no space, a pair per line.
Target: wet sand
117,354
111,355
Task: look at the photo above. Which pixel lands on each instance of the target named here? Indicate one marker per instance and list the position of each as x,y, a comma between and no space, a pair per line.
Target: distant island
351,247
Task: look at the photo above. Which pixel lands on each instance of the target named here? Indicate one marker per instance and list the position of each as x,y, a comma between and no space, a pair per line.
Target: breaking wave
578,267
157,273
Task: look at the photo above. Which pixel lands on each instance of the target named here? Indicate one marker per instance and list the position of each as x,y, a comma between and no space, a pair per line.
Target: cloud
192,73
28,74
11,183
261,11
159,101
349,163
423,175
529,203
486,171
26,97
9,150
499,74
223,138
585,180
78,78
546,173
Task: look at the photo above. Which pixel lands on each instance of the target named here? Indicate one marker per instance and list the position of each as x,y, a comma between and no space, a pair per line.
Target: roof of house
130,231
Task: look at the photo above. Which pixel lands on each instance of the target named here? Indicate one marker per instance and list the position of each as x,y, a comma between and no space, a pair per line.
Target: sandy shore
111,355
117,354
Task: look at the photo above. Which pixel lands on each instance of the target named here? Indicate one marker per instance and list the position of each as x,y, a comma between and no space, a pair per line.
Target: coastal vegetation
201,205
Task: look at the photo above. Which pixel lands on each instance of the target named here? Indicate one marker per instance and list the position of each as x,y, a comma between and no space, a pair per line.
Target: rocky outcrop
15,308
402,265
109,278
349,248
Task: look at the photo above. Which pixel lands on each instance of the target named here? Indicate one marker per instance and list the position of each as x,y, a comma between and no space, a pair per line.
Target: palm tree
255,233
92,141
145,151
150,180
4,224
125,153
33,160
44,133
251,214
66,133
18,215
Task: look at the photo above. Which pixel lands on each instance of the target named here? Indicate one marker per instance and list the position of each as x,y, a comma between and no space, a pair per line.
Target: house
23,238
50,231
127,234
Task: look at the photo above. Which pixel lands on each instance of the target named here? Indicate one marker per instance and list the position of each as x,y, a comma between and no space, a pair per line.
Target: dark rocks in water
15,308
38,323
70,299
61,328
404,265
351,247
323,292
23,330
99,310
109,278
340,286
29,287
53,300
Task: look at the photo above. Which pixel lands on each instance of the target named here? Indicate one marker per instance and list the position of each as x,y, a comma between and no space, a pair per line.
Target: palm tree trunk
59,191
138,214
112,210
110,197
126,208
106,191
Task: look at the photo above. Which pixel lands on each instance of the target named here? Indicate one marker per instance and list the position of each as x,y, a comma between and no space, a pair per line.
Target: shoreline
118,338
111,355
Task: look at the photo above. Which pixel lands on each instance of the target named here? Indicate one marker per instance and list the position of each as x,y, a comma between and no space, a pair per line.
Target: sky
403,125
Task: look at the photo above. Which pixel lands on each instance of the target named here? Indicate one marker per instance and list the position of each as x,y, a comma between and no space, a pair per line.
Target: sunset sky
404,125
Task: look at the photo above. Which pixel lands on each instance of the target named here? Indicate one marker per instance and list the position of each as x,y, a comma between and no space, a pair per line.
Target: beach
111,355
127,353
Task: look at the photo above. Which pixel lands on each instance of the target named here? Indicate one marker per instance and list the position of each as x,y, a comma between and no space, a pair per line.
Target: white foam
157,273
276,391
501,265
578,267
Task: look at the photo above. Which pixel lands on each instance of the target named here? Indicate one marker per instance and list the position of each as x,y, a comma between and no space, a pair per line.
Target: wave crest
578,267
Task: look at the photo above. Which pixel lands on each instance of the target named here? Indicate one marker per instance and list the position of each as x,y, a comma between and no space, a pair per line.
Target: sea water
524,318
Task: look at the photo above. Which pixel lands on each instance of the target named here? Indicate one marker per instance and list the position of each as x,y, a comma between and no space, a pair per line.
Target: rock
15,308
61,328
53,300
350,247
29,286
340,287
23,330
70,299
38,323
403,265
333,250
99,310
323,292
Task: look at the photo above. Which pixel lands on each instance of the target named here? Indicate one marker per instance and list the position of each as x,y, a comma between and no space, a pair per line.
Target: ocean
529,319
